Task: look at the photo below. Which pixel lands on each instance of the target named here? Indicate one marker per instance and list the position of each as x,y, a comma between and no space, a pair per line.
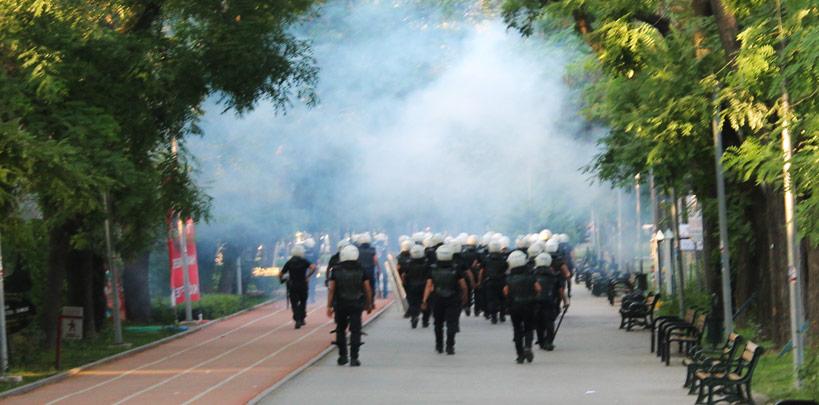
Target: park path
594,363
228,362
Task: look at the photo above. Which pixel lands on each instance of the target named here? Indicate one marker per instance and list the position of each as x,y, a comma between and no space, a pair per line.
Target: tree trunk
58,249
810,270
99,266
81,288
136,289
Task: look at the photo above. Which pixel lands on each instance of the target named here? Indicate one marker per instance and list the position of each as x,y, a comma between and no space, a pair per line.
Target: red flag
177,276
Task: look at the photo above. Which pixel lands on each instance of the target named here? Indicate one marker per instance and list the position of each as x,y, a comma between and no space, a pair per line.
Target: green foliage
211,306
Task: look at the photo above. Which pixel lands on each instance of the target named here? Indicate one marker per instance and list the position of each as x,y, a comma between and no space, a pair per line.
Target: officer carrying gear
470,260
348,294
334,260
402,261
447,289
297,271
368,258
520,290
493,278
414,279
464,268
558,261
547,306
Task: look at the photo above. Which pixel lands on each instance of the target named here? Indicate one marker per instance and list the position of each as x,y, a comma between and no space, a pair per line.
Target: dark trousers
523,325
414,297
545,315
479,300
348,315
446,311
298,300
495,302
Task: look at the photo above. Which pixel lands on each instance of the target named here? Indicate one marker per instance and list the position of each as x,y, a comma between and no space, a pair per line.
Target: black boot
529,355
354,362
450,350
342,360
414,322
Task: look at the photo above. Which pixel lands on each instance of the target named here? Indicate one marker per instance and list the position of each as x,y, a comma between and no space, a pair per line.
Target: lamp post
659,237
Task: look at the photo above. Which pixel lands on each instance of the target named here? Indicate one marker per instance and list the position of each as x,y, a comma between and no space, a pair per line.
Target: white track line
260,361
129,372
210,360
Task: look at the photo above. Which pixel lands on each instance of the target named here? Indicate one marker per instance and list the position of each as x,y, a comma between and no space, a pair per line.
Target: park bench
699,360
620,284
661,323
730,380
639,313
685,335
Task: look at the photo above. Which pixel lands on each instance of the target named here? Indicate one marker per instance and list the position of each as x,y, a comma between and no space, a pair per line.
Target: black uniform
330,264
494,280
564,250
297,268
403,260
366,257
480,296
416,274
348,302
446,303
547,304
521,284
466,260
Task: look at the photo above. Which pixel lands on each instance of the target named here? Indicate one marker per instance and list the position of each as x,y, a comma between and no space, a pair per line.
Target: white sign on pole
72,323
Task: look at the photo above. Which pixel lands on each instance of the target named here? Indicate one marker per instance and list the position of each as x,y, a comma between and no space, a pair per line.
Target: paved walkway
595,363
229,362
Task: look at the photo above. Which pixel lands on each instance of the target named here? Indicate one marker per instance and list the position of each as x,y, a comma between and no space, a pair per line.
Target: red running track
228,362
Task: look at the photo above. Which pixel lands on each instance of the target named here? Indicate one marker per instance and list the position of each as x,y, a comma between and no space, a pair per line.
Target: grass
32,363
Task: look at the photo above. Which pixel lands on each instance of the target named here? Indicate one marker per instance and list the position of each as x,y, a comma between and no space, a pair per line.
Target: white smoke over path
453,123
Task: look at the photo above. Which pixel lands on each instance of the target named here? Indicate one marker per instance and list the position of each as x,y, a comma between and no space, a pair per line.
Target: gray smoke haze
425,119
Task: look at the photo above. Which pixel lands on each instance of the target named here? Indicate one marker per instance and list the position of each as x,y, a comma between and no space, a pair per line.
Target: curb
293,374
68,373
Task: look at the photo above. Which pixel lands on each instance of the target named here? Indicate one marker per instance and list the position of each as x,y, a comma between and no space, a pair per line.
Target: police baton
560,322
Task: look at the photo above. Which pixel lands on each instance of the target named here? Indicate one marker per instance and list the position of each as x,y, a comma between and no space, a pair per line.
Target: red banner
177,276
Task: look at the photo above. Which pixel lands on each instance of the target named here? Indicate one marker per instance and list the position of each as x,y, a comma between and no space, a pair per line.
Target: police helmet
297,251
504,241
405,246
363,238
516,259
444,253
535,249
342,243
543,260
471,240
417,252
494,246
545,235
552,245
348,253
563,238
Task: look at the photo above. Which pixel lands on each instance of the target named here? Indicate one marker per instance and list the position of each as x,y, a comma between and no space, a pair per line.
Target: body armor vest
416,273
495,266
521,287
349,283
548,279
445,281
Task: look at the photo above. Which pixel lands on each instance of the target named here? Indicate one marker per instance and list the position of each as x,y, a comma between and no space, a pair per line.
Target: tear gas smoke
425,119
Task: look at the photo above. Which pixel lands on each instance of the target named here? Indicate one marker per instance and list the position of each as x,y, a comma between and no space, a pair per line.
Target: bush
210,306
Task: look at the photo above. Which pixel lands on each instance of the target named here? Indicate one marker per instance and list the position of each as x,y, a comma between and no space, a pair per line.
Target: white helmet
403,238
504,242
545,235
348,253
543,260
522,242
552,245
494,246
456,247
563,238
363,238
444,253
471,240
406,245
486,238
533,238
381,237
449,239
428,241
417,252
418,237
535,249
516,259
342,243
310,243
437,239
297,251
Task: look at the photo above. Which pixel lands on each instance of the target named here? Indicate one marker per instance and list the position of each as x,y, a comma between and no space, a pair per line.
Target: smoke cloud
426,118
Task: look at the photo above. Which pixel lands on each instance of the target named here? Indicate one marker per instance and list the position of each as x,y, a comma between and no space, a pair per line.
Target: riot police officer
446,289
414,277
492,280
547,302
368,258
402,262
348,294
520,291
470,257
298,271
